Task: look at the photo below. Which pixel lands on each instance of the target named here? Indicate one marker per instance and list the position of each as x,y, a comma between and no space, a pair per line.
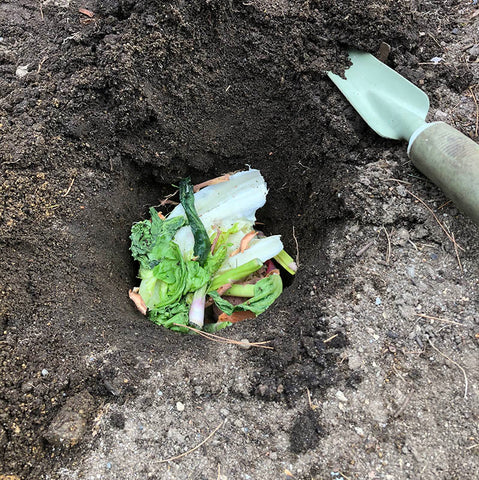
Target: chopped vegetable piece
266,291
197,309
244,243
236,316
136,297
185,256
239,290
236,274
215,240
286,262
223,288
202,241
215,327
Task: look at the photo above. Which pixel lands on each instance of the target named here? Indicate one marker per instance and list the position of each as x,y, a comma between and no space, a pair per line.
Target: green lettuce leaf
215,327
168,281
169,315
146,234
266,291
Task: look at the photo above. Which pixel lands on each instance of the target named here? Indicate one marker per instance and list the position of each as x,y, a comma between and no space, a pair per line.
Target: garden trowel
395,108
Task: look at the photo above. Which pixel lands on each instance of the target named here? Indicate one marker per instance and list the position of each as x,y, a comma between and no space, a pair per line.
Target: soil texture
104,104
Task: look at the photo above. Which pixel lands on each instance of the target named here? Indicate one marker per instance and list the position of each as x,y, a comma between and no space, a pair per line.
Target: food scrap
203,264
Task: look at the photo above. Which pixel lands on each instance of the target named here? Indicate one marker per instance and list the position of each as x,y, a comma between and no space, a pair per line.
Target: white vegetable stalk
262,248
226,204
197,309
229,202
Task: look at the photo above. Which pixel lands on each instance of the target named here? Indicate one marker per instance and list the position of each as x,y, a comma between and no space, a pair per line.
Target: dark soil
116,108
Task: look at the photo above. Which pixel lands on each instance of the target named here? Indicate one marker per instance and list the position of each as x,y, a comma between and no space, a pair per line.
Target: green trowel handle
451,161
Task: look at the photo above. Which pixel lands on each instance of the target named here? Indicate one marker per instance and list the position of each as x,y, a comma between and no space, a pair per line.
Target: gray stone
341,397
474,51
440,116
245,344
21,71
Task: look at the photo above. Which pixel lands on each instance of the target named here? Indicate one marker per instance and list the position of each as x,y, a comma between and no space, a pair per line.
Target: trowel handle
451,161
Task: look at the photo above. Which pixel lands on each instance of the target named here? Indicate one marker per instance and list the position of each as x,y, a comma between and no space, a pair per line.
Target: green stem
235,274
246,291
286,262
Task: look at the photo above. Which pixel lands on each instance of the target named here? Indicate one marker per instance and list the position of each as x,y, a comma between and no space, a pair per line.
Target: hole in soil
207,262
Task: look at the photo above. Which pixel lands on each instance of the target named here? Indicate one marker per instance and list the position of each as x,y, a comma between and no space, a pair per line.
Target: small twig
403,404
213,181
176,457
444,204
86,12
445,320
424,468
217,338
42,61
434,40
331,338
70,187
470,447
399,374
167,199
10,162
413,244
297,247
388,253
312,406
457,253
364,248
41,9
477,110
444,229
399,181
466,383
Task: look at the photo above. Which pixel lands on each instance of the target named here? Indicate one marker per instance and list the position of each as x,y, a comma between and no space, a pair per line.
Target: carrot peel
244,244
236,316
139,302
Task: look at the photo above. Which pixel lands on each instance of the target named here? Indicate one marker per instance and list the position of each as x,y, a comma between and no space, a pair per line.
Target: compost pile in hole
99,113
205,265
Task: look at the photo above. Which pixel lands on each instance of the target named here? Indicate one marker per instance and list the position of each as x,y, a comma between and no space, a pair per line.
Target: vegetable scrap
204,265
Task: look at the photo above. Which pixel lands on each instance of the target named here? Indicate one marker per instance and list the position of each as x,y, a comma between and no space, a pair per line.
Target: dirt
374,371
